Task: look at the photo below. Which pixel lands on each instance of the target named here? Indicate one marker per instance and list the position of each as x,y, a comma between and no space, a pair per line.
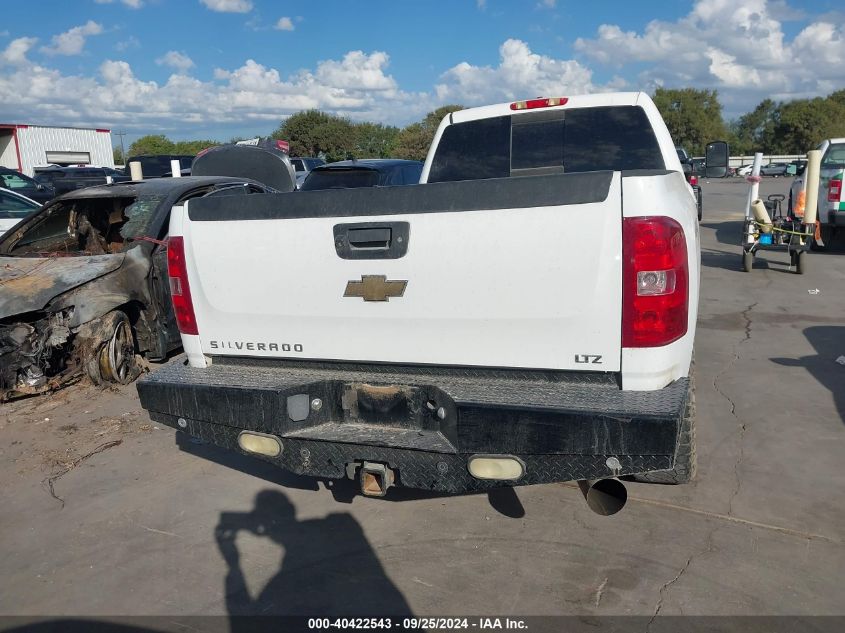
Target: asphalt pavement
151,523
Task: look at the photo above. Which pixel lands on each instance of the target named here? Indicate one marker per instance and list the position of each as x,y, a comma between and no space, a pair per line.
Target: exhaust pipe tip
605,497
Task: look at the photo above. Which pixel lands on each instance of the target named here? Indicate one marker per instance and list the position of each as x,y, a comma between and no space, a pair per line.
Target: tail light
531,104
834,190
655,281
693,180
180,290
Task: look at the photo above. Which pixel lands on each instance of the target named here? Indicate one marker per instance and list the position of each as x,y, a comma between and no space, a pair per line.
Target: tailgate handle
371,240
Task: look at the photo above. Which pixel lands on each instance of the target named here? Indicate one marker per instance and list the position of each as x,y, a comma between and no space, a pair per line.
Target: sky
215,69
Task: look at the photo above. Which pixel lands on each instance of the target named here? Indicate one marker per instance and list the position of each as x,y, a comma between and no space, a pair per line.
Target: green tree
414,140
802,124
117,154
151,144
693,117
753,131
374,140
315,133
193,147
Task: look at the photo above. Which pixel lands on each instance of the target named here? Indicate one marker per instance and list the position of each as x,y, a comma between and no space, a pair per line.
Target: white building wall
8,156
34,141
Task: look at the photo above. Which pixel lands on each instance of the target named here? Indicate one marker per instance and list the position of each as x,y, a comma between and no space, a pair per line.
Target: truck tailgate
512,272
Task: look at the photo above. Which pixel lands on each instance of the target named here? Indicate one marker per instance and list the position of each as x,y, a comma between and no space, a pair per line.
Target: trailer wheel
685,455
747,261
109,350
799,260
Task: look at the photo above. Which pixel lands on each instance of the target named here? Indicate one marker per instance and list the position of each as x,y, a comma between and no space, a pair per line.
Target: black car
85,284
369,172
691,169
67,179
21,183
158,165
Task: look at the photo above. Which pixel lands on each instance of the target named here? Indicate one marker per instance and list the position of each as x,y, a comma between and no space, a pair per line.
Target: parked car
303,166
14,208
774,169
20,183
85,284
66,179
369,172
744,170
158,165
796,167
688,165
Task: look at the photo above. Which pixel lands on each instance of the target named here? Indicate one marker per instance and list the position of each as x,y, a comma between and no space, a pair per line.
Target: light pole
122,150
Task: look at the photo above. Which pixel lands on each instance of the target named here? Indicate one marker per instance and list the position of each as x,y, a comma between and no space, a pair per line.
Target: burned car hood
27,284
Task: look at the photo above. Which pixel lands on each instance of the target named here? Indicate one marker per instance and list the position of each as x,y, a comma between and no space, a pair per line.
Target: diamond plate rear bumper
423,422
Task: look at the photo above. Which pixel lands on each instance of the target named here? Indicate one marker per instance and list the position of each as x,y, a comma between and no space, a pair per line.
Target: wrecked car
84,285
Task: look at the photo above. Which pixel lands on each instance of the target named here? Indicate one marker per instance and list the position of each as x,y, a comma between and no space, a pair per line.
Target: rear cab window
834,157
546,142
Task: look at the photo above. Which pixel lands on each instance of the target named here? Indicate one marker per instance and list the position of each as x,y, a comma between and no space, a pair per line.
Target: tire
686,462
800,262
747,261
108,352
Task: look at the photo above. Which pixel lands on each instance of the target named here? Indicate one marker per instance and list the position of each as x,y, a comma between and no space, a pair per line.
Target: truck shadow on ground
829,343
328,566
503,500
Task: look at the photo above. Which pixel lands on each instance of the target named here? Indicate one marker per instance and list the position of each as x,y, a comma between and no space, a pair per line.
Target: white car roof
17,195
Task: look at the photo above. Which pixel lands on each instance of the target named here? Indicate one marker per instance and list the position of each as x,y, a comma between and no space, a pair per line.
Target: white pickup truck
526,314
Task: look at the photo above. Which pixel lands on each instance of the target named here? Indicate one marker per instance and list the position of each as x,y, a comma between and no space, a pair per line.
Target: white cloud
127,43
284,24
177,60
357,86
739,48
15,53
72,41
229,6
520,74
547,4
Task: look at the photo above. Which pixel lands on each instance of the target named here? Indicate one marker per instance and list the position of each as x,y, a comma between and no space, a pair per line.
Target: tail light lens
693,180
531,104
655,282
180,290
834,190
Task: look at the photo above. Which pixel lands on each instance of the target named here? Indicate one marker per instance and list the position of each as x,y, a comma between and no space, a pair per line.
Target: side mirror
716,159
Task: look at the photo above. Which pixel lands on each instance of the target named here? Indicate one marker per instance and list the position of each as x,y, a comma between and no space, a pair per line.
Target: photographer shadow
328,565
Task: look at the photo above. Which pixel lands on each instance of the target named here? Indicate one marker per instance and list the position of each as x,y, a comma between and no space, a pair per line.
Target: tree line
693,117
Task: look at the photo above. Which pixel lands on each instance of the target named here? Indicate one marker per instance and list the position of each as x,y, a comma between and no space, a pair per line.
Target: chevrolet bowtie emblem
375,288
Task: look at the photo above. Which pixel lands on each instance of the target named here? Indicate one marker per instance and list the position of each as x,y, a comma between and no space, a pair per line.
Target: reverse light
180,290
655,290
504,468
834,190
530,104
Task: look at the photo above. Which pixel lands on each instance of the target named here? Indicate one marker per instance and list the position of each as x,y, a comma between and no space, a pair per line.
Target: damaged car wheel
110,354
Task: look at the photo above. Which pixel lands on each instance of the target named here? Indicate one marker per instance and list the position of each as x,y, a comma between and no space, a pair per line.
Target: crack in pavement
665,587
742,427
